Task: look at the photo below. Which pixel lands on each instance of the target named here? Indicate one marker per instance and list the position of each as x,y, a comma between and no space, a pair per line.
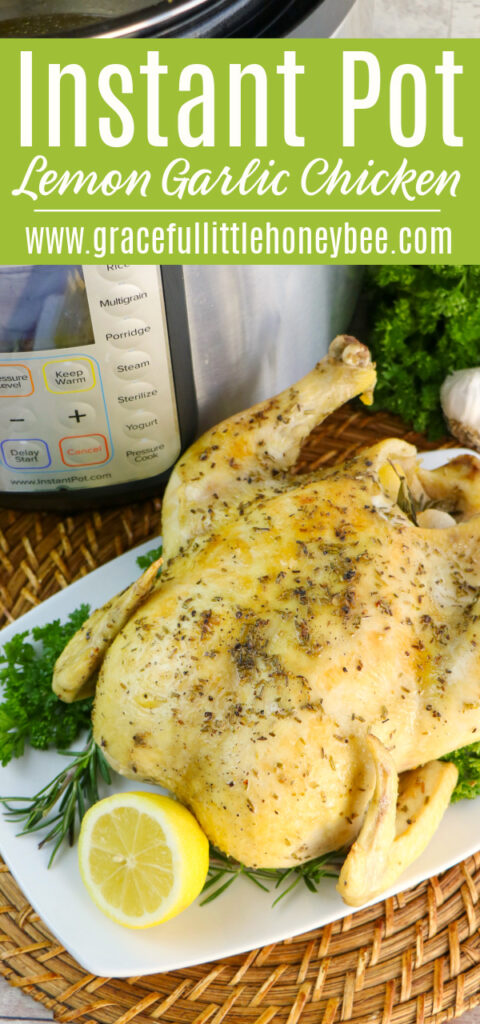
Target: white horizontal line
172,213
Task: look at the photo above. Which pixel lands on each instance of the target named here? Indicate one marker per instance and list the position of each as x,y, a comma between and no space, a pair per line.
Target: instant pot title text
253,112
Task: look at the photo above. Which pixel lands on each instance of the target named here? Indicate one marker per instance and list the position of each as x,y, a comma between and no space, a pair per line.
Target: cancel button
84,450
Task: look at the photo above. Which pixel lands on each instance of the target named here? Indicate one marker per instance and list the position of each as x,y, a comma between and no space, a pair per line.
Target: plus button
77,415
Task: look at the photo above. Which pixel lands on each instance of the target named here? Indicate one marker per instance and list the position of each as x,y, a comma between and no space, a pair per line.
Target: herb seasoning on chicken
310,640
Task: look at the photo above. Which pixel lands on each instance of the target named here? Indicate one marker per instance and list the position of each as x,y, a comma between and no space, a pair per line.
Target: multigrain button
134,393
132,365
15,380
122,298
84,450
31,453
66,376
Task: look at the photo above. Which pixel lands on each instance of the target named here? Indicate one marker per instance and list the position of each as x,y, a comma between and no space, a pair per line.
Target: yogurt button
139,423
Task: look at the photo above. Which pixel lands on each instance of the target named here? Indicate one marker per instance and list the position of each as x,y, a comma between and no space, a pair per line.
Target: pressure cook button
139,423
77,415
30,453
64,376
15,380
84,450
132,365
138,392
145,452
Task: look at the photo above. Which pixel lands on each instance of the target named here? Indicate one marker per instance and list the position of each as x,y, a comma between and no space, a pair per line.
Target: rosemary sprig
223,871
59,807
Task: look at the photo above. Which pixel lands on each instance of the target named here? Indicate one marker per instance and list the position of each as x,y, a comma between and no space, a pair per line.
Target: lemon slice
143,857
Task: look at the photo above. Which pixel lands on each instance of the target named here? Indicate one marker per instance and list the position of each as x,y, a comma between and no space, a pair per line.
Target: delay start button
84,450
29,453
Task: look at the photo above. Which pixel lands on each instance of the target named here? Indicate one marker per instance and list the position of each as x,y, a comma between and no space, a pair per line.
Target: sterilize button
77,415
31,453
64,376
139,422
138,392
84,450
15,380
132,365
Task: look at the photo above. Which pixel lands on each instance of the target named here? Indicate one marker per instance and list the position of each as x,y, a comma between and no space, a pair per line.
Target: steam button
132,365
26,454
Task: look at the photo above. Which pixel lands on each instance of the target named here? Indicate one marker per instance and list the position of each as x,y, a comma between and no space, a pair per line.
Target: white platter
242,918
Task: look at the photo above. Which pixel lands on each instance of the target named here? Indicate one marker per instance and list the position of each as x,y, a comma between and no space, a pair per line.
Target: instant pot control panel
87,394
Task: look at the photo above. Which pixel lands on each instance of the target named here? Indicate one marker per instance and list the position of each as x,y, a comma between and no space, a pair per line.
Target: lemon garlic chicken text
310,649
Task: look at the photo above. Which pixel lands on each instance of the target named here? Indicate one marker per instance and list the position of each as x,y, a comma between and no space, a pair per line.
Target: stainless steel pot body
185,18
256,330
356,24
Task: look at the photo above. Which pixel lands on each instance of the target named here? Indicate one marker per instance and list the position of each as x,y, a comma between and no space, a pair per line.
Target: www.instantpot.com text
239,239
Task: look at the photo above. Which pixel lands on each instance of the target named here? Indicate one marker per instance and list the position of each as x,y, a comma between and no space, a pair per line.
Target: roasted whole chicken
311,647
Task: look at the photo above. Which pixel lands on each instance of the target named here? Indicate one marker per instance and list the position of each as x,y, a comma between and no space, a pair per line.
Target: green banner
240,151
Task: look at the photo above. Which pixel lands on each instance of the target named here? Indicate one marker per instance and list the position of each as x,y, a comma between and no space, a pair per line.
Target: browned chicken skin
305,644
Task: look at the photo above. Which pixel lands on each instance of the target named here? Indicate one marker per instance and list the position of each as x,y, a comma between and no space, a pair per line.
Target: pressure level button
31,453
66,376
15,380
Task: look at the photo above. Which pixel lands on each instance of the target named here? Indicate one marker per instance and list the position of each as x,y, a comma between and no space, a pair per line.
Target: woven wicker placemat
413,958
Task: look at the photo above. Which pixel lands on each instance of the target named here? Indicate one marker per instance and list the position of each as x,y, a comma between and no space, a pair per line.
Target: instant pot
186,18
108,372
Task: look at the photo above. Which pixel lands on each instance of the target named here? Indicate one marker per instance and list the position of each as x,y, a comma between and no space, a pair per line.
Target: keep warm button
84,450
65,376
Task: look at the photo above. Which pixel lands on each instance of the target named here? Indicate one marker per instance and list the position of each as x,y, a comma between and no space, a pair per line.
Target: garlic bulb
460,398
435,519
